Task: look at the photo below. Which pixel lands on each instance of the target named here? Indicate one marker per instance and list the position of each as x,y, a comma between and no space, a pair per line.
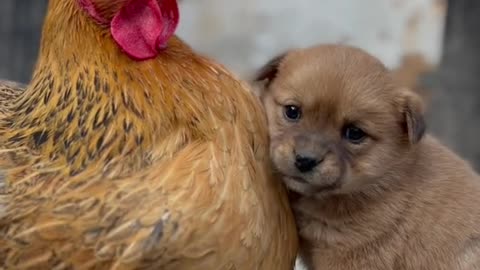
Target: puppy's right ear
412,110
264,77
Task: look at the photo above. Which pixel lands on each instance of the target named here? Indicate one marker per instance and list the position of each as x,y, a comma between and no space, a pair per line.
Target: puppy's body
424,217
371,191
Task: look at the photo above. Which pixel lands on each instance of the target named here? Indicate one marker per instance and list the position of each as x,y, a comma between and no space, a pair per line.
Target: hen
129,151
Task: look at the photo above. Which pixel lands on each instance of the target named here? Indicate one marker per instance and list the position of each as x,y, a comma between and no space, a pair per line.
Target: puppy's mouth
302,186
298,179
326,187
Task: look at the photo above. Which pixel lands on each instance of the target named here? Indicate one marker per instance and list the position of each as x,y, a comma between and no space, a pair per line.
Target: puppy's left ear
264,77
412,109
269,71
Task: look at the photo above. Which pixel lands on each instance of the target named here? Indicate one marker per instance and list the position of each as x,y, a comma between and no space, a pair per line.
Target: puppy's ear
269,71
412,109
264,77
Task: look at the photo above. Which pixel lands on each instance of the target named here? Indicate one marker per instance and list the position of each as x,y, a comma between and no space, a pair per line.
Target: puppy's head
337,121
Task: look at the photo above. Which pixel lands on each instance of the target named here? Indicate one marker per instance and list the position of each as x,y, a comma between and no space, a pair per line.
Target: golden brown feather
115,164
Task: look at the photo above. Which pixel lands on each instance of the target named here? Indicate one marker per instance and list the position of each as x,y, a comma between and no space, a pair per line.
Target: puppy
370,190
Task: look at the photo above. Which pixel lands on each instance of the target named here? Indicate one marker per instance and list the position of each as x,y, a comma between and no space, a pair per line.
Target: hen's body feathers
110,164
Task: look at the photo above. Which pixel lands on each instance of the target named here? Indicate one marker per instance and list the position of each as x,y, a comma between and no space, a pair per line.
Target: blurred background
433,46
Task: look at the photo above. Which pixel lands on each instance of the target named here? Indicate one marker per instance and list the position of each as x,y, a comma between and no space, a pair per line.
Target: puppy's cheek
349,182
371,166
362,171
281,152
378,161
331,171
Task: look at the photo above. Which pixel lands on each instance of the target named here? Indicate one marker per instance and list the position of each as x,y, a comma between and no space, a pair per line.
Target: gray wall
454,89
20,24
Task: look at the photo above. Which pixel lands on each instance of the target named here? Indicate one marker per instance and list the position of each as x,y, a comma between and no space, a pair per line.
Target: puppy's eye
354,134
292,112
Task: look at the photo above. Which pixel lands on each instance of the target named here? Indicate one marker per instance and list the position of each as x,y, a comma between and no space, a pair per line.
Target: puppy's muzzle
305,163
310,151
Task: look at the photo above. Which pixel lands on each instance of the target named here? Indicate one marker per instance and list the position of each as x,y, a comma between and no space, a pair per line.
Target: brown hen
114,158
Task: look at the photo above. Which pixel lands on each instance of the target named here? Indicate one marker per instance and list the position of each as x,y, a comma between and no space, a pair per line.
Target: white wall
243,34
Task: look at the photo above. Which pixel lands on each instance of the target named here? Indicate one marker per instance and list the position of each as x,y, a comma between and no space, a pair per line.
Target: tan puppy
371,191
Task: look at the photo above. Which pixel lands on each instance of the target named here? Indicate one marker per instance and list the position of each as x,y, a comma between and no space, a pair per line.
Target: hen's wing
9,91
148,221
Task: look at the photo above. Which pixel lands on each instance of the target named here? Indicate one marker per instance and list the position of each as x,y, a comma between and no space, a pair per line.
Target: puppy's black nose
305,164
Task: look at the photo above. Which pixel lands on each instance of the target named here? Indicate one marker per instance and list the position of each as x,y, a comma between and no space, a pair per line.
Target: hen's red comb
141,27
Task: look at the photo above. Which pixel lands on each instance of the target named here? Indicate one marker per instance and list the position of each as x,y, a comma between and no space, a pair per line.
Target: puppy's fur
396,199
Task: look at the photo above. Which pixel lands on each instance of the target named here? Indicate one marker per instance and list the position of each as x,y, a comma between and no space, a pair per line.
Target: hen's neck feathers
89,104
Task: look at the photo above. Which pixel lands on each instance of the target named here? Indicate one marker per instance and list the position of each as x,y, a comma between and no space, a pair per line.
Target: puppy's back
445,209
